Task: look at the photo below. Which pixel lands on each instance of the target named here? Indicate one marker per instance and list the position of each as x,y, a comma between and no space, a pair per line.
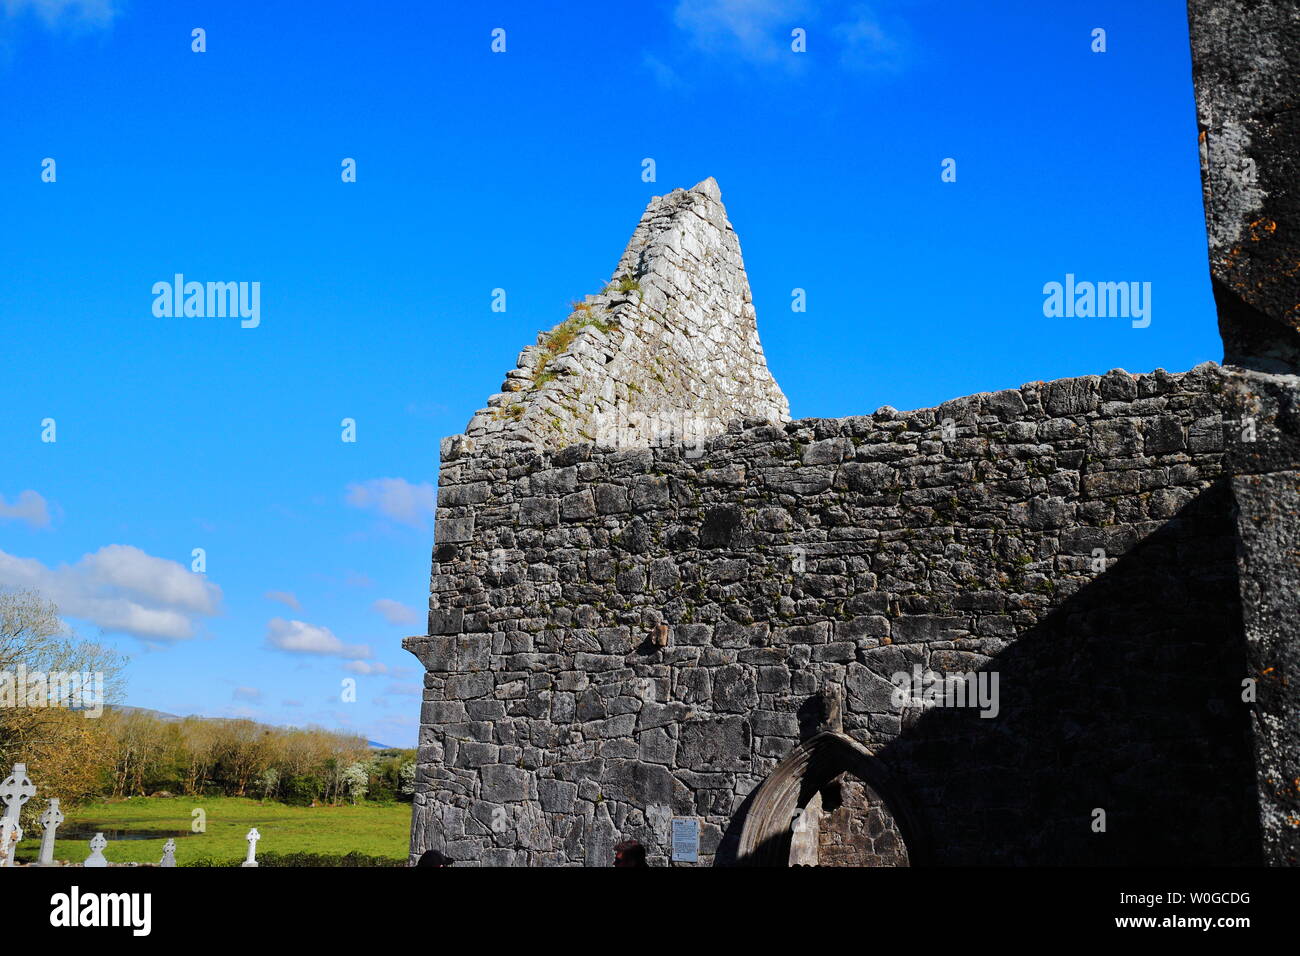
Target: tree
269,783
141,747
246,748
200,746
64,749
406,779
356,778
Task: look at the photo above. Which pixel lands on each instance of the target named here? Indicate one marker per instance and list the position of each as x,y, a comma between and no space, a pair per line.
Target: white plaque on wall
686,840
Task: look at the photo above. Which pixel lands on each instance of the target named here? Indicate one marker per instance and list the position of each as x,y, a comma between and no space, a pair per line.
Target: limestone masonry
668,351
655,598
1246,58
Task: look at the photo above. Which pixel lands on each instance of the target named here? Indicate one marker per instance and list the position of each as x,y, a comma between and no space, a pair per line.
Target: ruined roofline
669,346
1062,397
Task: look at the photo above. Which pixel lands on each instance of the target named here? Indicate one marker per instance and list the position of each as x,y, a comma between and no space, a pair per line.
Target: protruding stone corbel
831,699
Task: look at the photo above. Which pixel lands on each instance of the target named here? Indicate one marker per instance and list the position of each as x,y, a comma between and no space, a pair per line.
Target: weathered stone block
832,451
611,499
471,494
474,754
453,530
660,715
714,744
539,512
1071,396
734,688
655,746
446,621
557,796
722,527
504,784
649,492
578,506
467,686
442,711
554,481
924,629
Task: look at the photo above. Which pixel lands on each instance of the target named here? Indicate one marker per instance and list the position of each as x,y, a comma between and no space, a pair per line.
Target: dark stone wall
620,637
855,828
1266,492
1246,65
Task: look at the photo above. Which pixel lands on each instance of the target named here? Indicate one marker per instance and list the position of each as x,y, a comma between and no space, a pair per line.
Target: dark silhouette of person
629,853
433,858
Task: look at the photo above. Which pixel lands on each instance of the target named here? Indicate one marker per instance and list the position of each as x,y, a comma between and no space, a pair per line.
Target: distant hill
158,714
162,715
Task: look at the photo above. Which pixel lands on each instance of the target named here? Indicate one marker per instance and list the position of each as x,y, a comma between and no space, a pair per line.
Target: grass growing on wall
561,337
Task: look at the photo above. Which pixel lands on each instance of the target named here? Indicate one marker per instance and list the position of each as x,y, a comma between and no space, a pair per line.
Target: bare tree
64,748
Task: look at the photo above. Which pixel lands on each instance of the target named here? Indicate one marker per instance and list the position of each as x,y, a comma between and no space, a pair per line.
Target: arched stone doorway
830,802
846,823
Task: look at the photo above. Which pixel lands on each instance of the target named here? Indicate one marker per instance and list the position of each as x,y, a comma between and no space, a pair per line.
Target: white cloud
366,667
299,637
396,728
867,45
395,498
339,718
284,597
404,690
55,13
250,694
757,30
29,506
121,589
400,721
395,612
664,74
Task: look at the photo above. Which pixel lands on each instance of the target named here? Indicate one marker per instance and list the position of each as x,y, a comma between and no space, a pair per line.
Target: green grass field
372,829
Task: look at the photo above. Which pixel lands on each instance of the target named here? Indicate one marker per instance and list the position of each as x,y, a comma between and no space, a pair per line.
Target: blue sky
519,170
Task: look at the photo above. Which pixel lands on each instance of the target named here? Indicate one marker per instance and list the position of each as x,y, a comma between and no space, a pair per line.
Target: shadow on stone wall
1127,698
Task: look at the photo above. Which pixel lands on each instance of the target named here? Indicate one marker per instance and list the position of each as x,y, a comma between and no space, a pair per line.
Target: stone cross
49,822
16,790
169,854
10,834
96,858
253,837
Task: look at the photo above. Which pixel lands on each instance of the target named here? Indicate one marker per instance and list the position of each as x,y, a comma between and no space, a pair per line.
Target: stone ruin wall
620,634
1246,71
668,351
1246,66
555,725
